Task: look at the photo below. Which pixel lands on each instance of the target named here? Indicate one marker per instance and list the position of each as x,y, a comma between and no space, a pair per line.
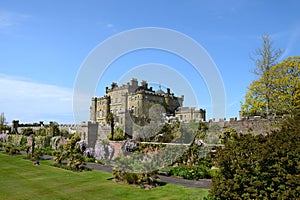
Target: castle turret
93,109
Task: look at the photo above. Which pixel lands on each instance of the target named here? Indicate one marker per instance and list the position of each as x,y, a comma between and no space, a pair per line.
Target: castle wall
255,125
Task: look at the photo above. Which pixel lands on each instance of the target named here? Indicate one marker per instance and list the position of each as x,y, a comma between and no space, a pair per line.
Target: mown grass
19,179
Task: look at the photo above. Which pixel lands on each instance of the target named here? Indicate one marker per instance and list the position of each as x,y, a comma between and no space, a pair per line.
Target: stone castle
132,102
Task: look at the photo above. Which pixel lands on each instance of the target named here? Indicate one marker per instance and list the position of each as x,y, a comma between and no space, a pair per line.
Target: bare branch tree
265,57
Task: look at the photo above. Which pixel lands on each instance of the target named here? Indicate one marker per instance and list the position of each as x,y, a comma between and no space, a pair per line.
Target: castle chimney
134,82
168,91
144,84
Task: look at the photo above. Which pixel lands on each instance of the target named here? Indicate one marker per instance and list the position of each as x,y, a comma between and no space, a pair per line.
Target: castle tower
93,109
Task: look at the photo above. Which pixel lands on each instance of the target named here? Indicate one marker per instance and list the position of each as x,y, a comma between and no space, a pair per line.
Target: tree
27,132
74,153
228,134
111,121
2,122
54,129
264,58
276,92
260,167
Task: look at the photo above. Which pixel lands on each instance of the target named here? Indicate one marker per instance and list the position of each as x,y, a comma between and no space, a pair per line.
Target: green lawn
19,179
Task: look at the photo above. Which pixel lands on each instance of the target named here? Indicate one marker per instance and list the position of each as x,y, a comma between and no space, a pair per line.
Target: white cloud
10,20
31,101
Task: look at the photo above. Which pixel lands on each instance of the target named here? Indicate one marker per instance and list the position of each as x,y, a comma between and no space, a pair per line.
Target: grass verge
19,179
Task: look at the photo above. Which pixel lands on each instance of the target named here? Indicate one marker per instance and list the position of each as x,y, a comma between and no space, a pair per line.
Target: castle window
100,113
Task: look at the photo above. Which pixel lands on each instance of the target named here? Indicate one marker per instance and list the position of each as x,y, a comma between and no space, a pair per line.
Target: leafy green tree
228,134
111,121
74,154
264,58
54,130
276,92
118,134
3,122
65,134
202,130
27,132
41,132
260,167
59,155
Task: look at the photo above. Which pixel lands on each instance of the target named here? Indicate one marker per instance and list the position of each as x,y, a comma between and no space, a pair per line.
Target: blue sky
44,43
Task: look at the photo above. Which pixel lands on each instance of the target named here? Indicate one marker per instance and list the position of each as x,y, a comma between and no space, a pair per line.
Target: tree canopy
260,167
276,92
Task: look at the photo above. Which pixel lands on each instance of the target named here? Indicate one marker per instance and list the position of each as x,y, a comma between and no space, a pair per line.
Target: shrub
48,151
260,167
42,141
194,172
15,139
143,179
66,167
89,159
23,143
11,149
118,134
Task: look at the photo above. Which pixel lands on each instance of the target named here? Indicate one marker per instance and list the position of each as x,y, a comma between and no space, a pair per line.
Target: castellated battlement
132,85
254,124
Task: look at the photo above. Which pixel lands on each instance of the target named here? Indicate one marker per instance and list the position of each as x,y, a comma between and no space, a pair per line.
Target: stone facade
187,114
130,103
255,125
89,131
